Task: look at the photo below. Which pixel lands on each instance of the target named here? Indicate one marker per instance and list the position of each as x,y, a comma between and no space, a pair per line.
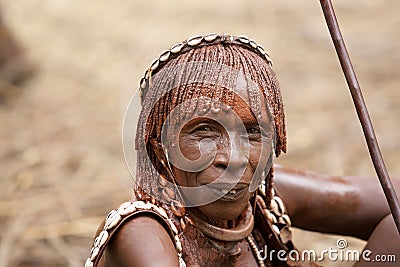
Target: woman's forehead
246,111
241,105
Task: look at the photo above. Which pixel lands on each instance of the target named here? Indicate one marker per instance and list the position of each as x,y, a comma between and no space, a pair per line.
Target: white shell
210,37
113,221
261,188
143,84
261,49
109,218
178,244
123,206
272,190
164,56
111,214
128,210
281,206
228,38
138,203
161,211
276,229
147,74
96,242
253,43
143,206
103,236
177,48
88,263
243,39
181,261
271,217
268,59
274,207
154,64
173,227
194,40
94,253
286,219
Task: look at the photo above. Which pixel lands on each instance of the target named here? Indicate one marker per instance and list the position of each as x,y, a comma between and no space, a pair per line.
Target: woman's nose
232,152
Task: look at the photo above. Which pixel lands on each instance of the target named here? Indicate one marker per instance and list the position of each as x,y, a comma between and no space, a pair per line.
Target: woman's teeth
224,191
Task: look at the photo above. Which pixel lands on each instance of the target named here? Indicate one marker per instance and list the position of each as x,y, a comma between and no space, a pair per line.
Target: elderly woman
211,123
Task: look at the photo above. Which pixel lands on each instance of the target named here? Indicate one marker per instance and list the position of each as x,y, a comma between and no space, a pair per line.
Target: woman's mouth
228,192
225,191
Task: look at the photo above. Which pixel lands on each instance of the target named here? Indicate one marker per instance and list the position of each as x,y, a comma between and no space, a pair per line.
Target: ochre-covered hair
156,107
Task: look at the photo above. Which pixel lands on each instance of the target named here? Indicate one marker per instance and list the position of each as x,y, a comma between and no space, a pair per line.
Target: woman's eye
203,128
254,130
254,133
205,131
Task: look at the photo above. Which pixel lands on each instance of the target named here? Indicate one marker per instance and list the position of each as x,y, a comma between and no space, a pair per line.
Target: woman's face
226,150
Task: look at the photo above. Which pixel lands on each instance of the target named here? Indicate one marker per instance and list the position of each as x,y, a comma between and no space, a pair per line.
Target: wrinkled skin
241,143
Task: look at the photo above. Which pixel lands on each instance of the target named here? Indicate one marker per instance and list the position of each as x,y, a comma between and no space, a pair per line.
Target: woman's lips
228,192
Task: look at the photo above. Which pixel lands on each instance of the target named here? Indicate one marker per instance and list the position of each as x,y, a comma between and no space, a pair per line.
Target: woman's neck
227,224
224,230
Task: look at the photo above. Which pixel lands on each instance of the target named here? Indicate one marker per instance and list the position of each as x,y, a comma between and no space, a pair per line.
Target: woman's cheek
255,155
259,157
189,148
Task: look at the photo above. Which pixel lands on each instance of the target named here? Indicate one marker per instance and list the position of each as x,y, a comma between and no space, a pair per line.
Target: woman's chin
223,211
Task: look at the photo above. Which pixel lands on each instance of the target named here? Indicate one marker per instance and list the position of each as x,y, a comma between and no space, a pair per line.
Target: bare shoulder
141,241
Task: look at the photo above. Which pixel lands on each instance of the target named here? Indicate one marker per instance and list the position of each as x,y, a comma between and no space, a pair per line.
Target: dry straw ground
61,161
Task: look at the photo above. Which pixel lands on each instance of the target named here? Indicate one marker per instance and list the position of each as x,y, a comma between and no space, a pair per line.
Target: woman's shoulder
135,234
141,241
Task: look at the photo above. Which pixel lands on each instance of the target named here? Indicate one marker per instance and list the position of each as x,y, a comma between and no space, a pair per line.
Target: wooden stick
362,111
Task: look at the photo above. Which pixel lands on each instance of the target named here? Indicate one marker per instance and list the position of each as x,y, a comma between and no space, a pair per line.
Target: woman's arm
339,205
141,241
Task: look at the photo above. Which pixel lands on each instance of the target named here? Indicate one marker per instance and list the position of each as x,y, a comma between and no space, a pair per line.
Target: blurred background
68,69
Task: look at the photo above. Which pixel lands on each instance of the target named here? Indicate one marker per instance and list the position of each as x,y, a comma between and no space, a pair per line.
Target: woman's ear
257,179
162,157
